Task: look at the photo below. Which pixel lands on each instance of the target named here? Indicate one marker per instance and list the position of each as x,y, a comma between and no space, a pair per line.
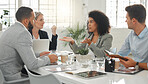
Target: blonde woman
40,34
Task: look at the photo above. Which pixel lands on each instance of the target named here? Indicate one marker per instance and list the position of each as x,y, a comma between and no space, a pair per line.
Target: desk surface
110,78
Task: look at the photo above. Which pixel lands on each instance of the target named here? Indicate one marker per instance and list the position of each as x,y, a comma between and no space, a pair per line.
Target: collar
143,33
21,25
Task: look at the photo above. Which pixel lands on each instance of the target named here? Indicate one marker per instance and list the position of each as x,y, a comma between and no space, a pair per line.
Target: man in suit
16,47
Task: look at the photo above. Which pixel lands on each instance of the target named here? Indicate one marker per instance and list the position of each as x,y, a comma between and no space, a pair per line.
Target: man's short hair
23,13
137,11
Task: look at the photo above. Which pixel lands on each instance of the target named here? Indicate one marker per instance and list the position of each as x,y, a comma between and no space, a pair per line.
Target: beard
30,26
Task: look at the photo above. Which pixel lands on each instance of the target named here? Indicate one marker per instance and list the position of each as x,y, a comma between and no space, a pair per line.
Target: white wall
83,7
119,36
97,5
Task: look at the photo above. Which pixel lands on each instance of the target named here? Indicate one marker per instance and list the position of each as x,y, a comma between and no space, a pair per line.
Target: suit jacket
104,43
16,50
44,35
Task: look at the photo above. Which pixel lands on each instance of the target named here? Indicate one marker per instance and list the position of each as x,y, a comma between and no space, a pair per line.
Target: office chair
42,79
19,81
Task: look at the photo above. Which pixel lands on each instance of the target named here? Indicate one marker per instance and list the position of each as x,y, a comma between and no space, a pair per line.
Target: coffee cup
64,57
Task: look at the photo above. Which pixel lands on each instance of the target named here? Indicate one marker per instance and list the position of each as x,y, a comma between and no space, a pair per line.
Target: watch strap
137,63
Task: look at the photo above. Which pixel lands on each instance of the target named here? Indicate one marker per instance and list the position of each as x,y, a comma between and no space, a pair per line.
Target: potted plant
83,51
3,20
83,57
77,32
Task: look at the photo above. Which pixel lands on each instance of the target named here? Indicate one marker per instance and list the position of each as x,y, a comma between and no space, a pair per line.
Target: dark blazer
44,35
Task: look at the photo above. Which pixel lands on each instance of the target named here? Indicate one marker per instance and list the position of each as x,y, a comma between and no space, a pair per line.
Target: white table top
109,78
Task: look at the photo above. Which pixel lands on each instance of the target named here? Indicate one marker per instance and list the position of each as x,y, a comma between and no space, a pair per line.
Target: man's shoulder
16,30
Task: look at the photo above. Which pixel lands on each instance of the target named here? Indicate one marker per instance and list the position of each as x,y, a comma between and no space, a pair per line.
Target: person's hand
53,58
54,28
44,53
67,39
129,63
87,40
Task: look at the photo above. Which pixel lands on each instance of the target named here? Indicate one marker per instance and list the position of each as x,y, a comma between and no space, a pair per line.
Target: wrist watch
137,66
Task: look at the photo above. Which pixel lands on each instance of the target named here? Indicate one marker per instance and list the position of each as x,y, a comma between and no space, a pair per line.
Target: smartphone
114,55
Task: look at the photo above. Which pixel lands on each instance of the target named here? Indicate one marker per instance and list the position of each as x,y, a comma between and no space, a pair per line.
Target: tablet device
115,55
40,45
129,70
90,74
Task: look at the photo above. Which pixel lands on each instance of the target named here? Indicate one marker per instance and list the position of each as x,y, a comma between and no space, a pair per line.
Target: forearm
99,49
99,52
143,66
53,43
76,48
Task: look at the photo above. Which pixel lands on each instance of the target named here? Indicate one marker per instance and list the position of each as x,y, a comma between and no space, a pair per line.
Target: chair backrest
19,81
1,77
42,79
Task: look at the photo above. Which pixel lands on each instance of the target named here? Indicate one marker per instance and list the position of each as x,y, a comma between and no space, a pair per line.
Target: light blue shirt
137,45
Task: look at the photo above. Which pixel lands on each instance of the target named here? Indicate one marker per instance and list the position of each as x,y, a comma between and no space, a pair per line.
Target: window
56,12
11,6
115,10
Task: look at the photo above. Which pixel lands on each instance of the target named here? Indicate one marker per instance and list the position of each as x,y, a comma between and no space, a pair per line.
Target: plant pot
83,60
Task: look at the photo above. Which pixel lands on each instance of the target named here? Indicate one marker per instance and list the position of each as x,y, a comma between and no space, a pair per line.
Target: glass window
56,12
11,6
115,10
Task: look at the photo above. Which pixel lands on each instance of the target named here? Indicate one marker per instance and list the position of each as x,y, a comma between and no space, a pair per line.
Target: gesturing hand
67,39
87,40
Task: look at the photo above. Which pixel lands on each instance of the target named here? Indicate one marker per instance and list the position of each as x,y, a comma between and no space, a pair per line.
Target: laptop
40,45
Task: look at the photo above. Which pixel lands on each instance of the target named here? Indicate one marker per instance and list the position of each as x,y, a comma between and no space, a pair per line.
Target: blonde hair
37,15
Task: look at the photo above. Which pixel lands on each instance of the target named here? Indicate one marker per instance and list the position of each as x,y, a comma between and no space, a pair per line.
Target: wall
97,5
81,8
119,36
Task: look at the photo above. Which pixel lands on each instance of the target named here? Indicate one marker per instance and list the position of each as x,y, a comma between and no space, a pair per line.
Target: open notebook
40,45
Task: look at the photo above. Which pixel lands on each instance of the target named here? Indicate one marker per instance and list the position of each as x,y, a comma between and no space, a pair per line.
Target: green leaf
83,51
1,16
77,32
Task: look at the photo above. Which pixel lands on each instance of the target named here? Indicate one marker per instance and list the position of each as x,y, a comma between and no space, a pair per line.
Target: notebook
40,45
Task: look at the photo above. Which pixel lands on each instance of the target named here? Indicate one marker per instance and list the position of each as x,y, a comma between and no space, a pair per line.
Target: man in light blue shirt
137,40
